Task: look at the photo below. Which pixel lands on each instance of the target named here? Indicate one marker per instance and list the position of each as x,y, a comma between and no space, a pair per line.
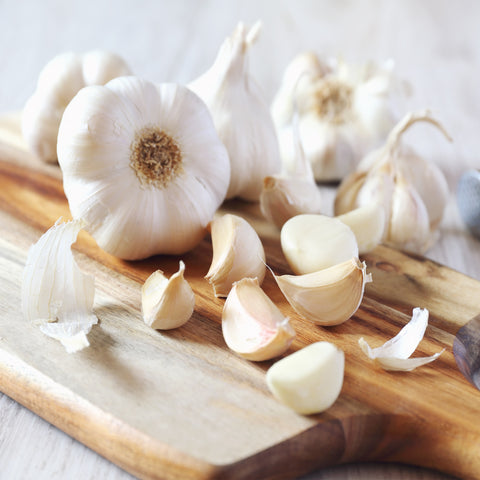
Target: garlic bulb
412,190
142,165
58,83
314,242
237,253
241,115
252,325
55,292
395,353
344,111
309,380
327,297
167,303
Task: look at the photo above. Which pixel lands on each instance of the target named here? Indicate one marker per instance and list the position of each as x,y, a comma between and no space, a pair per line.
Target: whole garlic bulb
344,111
142,165
58,83
412,190
241,115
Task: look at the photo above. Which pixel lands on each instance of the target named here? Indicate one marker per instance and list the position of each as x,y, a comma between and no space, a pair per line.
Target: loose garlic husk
344,111
142,165
167,303
241,115
327,297
252,325
55,292
412,191
237,253
59,81
315,242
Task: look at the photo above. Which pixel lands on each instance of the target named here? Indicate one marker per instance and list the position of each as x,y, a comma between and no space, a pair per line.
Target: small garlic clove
368,225
309,380
346,196
167,303
327,297
395,353
252,325
237,253
315,242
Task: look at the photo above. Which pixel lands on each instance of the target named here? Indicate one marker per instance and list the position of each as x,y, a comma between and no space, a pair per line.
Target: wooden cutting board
180,405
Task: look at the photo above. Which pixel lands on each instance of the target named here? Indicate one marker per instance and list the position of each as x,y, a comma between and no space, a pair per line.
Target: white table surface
435,45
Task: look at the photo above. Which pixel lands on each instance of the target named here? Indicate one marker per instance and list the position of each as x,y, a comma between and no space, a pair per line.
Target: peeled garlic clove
252,325
309,380
315,242
55,292
395,353
237,253
327,297
167,303
368,225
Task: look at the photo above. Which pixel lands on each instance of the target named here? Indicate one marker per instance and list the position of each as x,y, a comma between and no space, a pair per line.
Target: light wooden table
435,45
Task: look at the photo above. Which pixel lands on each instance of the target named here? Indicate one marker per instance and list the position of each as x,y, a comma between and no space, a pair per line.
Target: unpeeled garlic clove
368,225
252,325
167,303
315,242
327,297
309,380
237,253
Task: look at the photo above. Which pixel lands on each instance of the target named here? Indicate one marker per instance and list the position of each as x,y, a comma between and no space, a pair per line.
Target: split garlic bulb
58,83
241,115
344,111
412,190
142,165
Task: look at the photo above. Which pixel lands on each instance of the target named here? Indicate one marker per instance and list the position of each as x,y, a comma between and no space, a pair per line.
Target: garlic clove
309,380
315,242
55,292
347,191
395,353
237,253
252,325
368,225
327,297
167,303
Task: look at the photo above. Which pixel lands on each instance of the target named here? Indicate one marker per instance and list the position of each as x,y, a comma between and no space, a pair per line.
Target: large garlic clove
315,242
241,115
395,353
237,253
309,380
59,81
167,303
327,297
252,325
368,225
55,292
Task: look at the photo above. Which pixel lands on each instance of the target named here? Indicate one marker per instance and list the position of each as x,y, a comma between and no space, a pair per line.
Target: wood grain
179,404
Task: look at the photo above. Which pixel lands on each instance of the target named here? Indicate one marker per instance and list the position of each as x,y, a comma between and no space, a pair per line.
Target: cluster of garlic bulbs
344,111
412,191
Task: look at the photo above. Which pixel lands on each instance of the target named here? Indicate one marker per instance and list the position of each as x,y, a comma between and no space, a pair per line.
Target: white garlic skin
59,81
128,218
241,115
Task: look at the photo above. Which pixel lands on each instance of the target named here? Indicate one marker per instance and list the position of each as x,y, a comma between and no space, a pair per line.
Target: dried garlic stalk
395,353
55,293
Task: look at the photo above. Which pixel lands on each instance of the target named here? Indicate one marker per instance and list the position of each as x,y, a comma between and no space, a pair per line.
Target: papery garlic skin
344,111
143,165
252,325
237,253
327,297
309,380
412,190
314,242
241,115
55,292
59,81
